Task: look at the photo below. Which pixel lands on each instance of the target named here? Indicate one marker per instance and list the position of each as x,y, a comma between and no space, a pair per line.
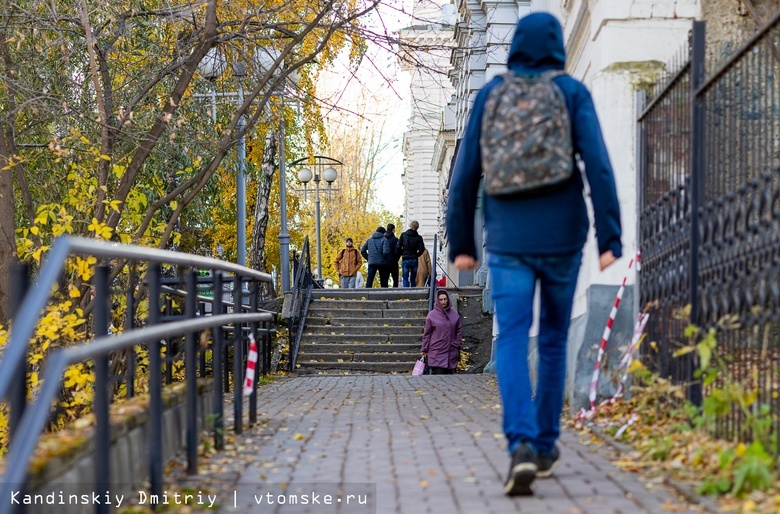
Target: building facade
617,48
425,51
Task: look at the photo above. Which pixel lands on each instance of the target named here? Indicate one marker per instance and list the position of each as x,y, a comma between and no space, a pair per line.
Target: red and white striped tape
604,338
625,362
251,366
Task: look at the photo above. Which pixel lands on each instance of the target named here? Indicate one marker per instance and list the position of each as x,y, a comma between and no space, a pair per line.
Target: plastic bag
419,367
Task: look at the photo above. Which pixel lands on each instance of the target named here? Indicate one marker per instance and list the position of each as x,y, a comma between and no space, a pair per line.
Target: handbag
419,367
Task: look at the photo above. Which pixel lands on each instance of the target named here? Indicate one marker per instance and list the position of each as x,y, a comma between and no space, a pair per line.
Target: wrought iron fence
230,323
709,175
665,211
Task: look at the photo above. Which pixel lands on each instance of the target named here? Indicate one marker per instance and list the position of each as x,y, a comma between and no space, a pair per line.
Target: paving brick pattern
415,445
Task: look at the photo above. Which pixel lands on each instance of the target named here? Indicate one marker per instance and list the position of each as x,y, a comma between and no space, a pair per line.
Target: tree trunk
7,230
264,182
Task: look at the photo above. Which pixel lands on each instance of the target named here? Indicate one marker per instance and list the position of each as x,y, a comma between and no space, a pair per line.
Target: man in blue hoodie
532,238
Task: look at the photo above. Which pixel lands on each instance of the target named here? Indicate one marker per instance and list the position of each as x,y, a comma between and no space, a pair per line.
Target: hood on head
537,45
437,305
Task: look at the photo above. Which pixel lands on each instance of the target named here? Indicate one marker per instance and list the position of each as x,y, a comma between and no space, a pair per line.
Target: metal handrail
29,420
304,282
432,292
34,419
34,302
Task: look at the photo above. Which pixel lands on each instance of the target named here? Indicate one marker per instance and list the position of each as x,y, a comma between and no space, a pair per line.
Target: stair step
357,347
379,367
315,311
363,331
364,322
357,338
373,293
358,330
328,357
368,303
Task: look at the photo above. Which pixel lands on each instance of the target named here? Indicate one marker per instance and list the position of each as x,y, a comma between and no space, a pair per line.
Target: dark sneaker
546,463
522,472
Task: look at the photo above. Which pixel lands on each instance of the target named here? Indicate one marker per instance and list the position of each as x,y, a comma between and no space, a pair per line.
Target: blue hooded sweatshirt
554,221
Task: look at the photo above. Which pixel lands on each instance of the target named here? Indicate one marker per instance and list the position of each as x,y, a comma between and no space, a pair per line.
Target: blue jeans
514,280
409,270
348,282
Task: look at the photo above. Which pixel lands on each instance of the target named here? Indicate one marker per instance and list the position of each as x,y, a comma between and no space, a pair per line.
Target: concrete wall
477,327
129,459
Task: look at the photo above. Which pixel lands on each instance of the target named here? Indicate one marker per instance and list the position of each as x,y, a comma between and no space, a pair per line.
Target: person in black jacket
410,247
376,250
392,261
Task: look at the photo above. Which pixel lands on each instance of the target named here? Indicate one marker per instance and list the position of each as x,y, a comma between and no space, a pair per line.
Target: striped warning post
604,338
251,366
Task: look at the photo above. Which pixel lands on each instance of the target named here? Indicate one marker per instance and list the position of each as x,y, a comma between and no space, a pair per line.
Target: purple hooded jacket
442,335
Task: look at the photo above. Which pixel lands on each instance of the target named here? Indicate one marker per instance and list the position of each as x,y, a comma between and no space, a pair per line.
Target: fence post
18,391
640,100
191,375
155,385
17,395
217,352
169,343
238,358
101,403
698,55
130,325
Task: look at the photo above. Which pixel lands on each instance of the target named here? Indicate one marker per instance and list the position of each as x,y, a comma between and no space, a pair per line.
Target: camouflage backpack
526,140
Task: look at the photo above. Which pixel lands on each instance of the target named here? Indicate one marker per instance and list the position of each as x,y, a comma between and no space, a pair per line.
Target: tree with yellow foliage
102,131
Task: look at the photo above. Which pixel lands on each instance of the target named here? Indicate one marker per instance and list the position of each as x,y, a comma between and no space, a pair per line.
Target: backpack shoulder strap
551,74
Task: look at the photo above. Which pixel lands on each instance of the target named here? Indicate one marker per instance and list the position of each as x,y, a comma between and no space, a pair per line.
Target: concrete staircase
363,331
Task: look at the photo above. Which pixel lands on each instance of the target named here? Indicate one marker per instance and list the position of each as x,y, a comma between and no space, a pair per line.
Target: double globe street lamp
323,170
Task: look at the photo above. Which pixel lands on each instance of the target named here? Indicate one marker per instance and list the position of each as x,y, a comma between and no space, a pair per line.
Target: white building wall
430,92
606,44
611,45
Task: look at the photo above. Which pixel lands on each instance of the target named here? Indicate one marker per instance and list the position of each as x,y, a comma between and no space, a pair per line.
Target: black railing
303,282
29,420
709,172
434,268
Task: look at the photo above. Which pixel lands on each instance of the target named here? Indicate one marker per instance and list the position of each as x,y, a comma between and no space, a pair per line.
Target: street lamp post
239,72
323,170
211,67
284,236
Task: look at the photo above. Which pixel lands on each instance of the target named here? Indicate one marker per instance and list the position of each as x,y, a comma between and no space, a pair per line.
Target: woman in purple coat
441,338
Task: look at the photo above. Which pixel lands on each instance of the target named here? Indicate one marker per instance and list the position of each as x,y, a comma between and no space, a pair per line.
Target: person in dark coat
392,261
376,250
535,240
410,248
442,336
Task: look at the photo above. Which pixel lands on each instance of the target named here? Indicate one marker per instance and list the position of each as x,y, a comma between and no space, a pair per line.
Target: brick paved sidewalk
409,445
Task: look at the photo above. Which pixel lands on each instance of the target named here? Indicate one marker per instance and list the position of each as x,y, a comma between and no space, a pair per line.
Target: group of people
382,251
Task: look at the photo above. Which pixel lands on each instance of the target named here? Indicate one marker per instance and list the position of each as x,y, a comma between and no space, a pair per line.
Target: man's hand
605,259
465,262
